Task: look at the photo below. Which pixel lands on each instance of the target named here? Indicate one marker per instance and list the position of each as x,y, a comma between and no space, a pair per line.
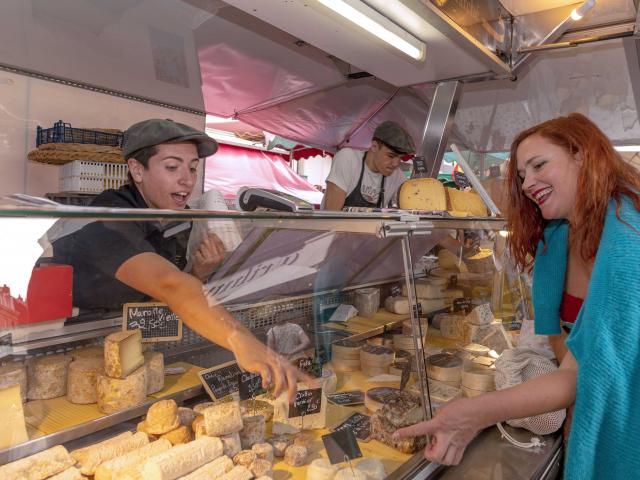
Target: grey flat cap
395,136
156,131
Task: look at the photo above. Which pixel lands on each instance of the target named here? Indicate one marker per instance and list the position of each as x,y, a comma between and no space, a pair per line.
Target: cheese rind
373,468
253,430
466,201
223,418
82,380
47,377
239,472
154,362
38,466
71,473
296,455
321,469
115,394
452,326
423,194
162,417
182,459
14,374
180,435
89,458
114,468
480,315
263,450
231,444
424,289
123,353
211,470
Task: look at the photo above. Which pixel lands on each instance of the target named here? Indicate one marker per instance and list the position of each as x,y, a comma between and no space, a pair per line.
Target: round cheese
162,417
180,435
231,444
115,394
253,428
154,362
478,377
279,444
223,418
425,194
321,469
245,458
444,367
14,374
83,379
346,350
257,407
263,450
350,473
296,455
373,468
47,377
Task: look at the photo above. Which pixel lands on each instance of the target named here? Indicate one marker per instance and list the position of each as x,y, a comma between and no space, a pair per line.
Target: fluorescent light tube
379,25
579,12
627,148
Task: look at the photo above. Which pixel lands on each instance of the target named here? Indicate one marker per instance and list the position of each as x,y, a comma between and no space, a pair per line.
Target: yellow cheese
116,394
82,379
423,194
122,353
14,430
466,201
14,374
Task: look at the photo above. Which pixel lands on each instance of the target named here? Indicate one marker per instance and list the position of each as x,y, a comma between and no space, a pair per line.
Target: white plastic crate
83,176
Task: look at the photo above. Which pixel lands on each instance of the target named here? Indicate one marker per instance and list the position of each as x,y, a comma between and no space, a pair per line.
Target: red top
570,307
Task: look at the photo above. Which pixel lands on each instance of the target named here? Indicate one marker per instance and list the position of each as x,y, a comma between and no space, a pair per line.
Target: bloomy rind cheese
231,444
349,474
253,430
38,466
373,468
89,458
239,472
321,469
154,362
296,455
182,459
71,473
14,431
115,394
123,353
82,380
14,374
47,377
212,470
162,417
425,194
223,418
116,467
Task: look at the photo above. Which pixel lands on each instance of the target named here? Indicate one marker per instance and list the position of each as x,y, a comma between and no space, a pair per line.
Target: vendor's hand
451,430
208,257
275,370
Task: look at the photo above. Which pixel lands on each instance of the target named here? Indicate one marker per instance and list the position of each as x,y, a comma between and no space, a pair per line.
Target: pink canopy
234,167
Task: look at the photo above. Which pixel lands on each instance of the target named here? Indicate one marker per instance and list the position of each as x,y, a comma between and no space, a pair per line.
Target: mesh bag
518,365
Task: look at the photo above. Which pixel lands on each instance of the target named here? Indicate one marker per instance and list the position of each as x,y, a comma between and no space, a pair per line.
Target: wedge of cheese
466,201
425,194
14,430
123,353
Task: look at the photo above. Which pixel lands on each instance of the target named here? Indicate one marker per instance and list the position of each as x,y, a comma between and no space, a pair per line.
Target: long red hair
603,175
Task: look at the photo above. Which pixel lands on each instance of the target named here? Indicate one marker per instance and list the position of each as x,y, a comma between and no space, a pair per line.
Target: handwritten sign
396,290
420,168
464,304
359,424
352,397
310,365
220,381
406,375
306,402
250,385
156,322
341,445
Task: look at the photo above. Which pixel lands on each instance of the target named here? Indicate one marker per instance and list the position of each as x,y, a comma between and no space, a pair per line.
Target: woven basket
61,153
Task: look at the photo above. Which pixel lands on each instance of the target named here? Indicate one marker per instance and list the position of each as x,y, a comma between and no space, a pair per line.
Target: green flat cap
156,131
395,136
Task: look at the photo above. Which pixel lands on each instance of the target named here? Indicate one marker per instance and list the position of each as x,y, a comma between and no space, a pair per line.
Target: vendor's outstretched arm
334,197
458,422
153,275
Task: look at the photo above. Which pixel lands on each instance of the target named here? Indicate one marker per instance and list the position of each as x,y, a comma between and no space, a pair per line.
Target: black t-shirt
98,249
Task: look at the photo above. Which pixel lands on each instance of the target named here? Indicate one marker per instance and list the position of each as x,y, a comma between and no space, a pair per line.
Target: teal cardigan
605,432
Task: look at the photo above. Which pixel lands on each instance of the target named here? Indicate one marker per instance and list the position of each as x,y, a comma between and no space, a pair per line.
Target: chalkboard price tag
396,290
156,322
306,402
310,365
420,166
250,385
352,397
461,180
341,445
464,304
359,424
406,375
417,310
220,381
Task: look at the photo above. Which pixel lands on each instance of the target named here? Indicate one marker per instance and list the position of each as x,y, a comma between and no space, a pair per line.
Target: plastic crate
83,176
63,133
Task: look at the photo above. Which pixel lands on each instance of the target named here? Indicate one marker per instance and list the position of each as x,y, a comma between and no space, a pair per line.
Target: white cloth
345,172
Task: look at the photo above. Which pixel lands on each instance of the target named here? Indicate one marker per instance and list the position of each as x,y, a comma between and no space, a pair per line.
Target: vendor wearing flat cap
116,262
371,178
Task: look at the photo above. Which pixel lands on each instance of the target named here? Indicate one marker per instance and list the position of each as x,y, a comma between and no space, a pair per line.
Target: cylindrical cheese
350,474
71,473
14,374
154,361
82,381
186,416
260,467
444,367
38,466
478,377
239,472
116,467
296,455
231,444
252,431
162,417
182,459
321,469
211,470
223,418
47,377
89,458
115,394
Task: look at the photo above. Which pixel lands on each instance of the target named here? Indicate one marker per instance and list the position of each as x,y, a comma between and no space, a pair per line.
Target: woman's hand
208,257
451,430
275,370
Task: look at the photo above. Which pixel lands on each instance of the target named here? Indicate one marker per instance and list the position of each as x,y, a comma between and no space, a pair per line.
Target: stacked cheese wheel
477,378
445,367
375,360
345,355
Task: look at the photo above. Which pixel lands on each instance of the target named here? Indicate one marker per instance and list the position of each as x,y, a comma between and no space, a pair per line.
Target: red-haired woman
575,210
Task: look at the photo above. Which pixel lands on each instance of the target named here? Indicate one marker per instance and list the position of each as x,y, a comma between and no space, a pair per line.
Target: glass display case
392,307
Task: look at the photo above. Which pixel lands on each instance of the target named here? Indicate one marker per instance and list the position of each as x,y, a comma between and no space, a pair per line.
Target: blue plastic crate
63,133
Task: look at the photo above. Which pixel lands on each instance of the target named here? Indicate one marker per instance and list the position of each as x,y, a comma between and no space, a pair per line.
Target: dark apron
355,198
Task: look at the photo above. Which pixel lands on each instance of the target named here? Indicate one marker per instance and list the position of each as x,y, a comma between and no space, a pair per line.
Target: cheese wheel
467,201
186,416
253,429
373,468
214,469
47,377
89,458
123,353
478,377
199,408
295,455
162,417
154,362
245,457
82,380
257,407
346,349
444,367
115,394
424,289
182,459
93,351
71,473
130,462
223,418
304,439
14,374
263,450
426,194
239,472
38,466
279,444
231,444
321,469
452,326
350,474
481,262
260,467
